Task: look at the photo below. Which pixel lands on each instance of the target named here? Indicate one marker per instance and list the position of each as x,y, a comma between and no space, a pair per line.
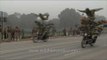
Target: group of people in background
71,31
15,33
10,33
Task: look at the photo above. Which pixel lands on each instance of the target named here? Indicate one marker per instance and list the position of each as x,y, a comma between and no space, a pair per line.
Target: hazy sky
53,7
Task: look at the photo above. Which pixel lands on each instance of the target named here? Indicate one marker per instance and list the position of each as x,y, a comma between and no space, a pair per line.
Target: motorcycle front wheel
91,44
44,40
83,44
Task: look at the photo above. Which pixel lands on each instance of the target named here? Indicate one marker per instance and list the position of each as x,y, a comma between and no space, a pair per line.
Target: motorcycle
43,33
43,37
88,39
44,28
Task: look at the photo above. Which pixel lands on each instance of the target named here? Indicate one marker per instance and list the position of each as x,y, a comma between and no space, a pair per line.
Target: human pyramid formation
88,24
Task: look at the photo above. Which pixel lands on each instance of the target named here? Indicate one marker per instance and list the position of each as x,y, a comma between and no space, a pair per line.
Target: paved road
65,48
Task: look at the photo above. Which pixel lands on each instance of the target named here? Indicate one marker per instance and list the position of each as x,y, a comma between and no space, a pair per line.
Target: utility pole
2,20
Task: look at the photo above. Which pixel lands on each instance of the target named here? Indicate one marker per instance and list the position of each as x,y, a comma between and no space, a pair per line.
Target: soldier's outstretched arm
97,9
82,11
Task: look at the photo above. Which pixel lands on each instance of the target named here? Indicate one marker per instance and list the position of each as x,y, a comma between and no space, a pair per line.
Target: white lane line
8,51
48,46
30,55
61,52
36,44
82,53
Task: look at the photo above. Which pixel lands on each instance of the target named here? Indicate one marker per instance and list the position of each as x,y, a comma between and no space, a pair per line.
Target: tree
13,20
28,21
56,23
69,18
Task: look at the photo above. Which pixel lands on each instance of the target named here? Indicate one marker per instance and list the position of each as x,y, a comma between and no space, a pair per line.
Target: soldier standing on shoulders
90,13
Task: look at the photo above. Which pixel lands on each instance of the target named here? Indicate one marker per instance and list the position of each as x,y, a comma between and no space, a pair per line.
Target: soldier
5,33
17,33
22,33
12,34
88,24
34,33
0,31
44,16
90,13
9,32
